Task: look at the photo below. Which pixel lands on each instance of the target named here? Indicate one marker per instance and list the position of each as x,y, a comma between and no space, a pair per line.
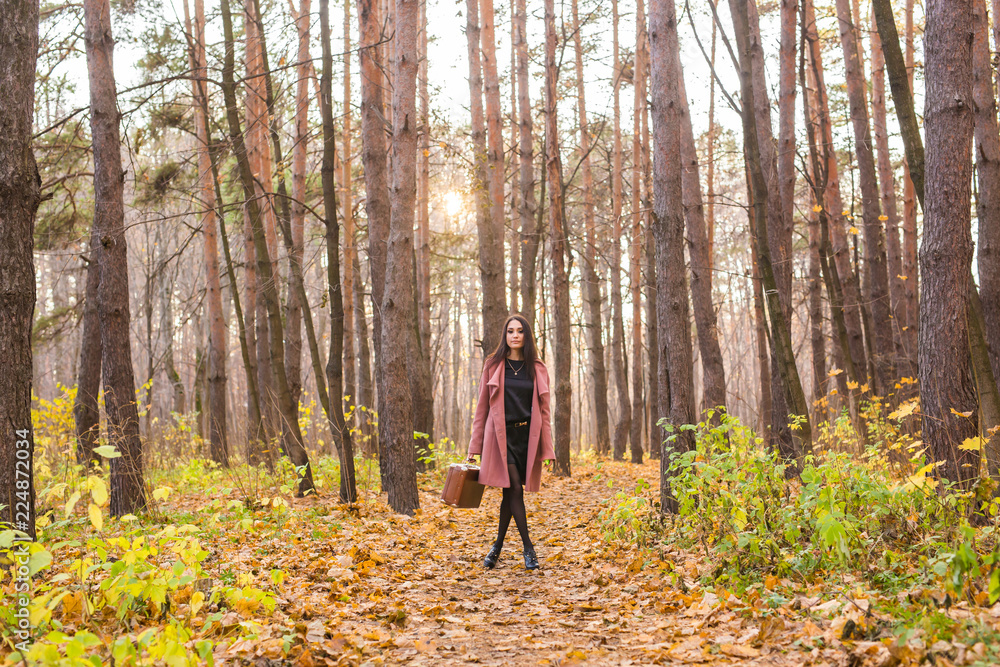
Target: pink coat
489,429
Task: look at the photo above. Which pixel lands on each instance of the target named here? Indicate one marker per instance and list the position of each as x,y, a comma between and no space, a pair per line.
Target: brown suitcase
462,487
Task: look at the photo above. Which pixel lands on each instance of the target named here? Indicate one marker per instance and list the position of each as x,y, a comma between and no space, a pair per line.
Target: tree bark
373,163
887,194
528,207
396,415
875,280
674,328
20,195
591,285
289,414
351,380
491,253
334,363
987,137
86,413
560,253
128,494
946,383
910,262
635,257
779,330
619,368
423,195
713,370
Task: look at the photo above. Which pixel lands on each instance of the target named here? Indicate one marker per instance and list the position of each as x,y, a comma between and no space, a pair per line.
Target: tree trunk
528,208
128,495
334,363
713,370
423,195
491,253
19,199
887,194
373,163
351,380
289,414
494,157
396,415
591,286
760,329
779,330
216,366
910,262
846,282
674,326
619,367
86,413
560,252
946,383
817,342
988,173
875,280
635,257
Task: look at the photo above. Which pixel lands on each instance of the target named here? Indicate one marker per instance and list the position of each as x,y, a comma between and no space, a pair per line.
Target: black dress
517,393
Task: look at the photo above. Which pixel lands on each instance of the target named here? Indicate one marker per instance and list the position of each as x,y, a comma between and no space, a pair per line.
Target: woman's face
515,335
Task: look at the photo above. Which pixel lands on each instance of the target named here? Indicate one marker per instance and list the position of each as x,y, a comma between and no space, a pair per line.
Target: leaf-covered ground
312,582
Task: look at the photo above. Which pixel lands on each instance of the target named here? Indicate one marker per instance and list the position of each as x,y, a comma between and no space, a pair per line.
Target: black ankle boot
492,557
530,559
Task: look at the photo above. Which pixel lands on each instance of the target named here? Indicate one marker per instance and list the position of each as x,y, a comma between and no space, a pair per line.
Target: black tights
512,505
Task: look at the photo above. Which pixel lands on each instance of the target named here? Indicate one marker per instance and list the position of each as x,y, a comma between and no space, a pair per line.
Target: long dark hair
530,351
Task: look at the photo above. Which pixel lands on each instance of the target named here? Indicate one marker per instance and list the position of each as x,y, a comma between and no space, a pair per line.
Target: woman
513,409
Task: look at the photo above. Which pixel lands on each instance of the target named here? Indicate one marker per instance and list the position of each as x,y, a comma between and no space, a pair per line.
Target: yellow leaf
846,214
426,152
901,277
72,503
96,517
961,414
973,444
905,410
864,388
817,208
852,385
835,372
883,218
197,600
161,493
98,490
853,230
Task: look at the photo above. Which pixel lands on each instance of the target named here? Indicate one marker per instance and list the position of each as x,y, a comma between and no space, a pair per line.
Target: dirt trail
385,589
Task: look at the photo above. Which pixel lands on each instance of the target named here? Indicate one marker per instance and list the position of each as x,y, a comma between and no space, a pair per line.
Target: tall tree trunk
373,163
652,399
710,176
216,367
591,286
297,209
86,414
668,227
760,329
619,367
528,208
20,196
423,194
910,263
713,370
635,257
334,363
817,342
514,267
946,384
491,270
778,238
494,151
887,194
779,330
352,381
296,449
876,276
560,252
396,415
128,494
988,173
833,205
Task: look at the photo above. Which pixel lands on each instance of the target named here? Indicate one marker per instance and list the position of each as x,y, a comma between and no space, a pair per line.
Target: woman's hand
471,459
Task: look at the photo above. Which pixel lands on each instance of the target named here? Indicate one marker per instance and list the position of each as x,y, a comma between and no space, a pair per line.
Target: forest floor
372,587
210,577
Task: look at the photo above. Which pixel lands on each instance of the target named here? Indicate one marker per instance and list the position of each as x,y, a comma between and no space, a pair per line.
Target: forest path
388,589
